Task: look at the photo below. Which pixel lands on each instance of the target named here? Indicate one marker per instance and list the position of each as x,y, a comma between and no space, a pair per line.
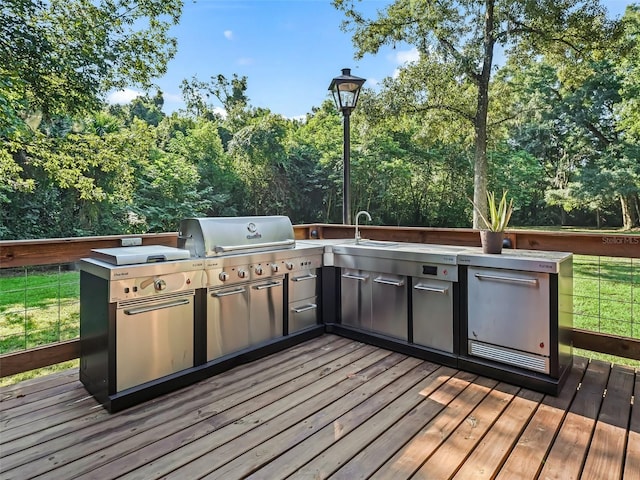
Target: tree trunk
482,110
629,219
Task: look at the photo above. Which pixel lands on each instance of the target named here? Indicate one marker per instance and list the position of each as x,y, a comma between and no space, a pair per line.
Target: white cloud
228,34
245,61
220,111
123,96
372,82
407,56
172,97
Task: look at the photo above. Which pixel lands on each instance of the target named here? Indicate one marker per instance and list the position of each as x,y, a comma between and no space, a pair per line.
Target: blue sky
289,50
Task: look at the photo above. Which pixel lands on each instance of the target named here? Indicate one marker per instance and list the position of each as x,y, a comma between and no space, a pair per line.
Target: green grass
40,372
38,307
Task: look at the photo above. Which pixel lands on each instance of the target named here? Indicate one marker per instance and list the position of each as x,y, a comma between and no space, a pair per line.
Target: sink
376,243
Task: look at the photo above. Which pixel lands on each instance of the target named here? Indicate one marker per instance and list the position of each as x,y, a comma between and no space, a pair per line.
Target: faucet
366,214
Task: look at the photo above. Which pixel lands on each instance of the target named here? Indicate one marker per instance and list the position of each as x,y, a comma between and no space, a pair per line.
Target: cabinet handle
362,278
311,276
427,288
497,278
151,308
306,308
384,281
228,292
267,285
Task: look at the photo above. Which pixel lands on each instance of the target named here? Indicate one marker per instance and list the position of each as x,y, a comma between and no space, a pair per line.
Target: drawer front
303,284
303,314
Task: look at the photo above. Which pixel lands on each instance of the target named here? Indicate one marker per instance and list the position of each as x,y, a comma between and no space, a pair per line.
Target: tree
61,56
457,42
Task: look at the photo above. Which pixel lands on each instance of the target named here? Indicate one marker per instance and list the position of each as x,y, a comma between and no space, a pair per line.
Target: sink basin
376,243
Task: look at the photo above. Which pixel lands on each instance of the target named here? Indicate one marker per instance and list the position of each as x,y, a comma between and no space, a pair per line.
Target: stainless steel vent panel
508,356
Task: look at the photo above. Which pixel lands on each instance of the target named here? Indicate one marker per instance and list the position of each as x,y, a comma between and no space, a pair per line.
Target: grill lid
219,236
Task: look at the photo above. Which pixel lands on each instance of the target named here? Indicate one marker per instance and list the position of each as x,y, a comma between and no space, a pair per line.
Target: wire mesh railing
606,295
39,305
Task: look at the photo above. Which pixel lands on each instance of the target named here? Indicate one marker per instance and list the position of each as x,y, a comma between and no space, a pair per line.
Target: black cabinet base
516,376
396,345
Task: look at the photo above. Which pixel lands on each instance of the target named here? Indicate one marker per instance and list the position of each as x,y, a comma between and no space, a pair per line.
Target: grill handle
228,292
351,276
267,285
151,308
384,281
522,281
253,246
311,276
427,288
306,308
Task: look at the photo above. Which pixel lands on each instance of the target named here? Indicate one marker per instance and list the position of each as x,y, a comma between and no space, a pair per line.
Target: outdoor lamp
346,90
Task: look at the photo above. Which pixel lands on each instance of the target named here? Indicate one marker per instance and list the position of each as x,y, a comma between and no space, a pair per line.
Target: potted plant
492,235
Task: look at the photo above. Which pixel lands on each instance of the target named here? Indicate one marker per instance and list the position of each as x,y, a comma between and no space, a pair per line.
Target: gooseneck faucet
366,214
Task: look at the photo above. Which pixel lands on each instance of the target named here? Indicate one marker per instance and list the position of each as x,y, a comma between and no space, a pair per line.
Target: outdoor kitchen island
417,299
506,316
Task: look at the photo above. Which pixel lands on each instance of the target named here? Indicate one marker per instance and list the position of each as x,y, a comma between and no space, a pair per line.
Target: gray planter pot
491,241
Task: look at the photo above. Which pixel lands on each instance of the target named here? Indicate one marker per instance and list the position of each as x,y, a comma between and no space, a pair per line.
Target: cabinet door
267,312
509,308
389,312
227,320
153,339
355,298
433,314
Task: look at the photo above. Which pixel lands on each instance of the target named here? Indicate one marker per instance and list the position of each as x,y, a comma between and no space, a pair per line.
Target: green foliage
499,214
74,51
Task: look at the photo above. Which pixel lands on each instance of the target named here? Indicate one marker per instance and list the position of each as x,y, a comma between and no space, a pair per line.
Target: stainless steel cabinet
243,315
389,305
303,300
266,312
509,316
227,320
355,299
375,302
154,338
433,313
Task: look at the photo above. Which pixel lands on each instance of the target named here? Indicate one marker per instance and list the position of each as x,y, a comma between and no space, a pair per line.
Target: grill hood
220,236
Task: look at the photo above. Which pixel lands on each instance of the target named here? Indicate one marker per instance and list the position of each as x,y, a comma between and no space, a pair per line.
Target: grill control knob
224,276
258,270
274,267
289,265
242,273
160,284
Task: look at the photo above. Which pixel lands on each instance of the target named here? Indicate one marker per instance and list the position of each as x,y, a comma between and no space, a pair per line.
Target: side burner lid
141,254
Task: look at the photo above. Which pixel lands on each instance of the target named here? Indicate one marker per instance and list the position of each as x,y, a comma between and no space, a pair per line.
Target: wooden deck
332,408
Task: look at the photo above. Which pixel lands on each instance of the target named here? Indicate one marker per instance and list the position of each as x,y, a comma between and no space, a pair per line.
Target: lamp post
345,90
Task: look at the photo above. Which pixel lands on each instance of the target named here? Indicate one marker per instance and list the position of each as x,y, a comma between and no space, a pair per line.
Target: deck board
330,408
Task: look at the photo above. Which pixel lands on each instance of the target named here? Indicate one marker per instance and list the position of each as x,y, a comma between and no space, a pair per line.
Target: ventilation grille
512,357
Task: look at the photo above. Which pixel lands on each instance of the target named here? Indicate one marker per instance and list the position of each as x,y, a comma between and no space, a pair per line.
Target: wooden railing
24,253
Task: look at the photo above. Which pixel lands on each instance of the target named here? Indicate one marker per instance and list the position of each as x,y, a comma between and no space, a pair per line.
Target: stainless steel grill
246,263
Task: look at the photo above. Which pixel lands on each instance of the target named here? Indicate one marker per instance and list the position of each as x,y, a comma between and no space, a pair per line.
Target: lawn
38,307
